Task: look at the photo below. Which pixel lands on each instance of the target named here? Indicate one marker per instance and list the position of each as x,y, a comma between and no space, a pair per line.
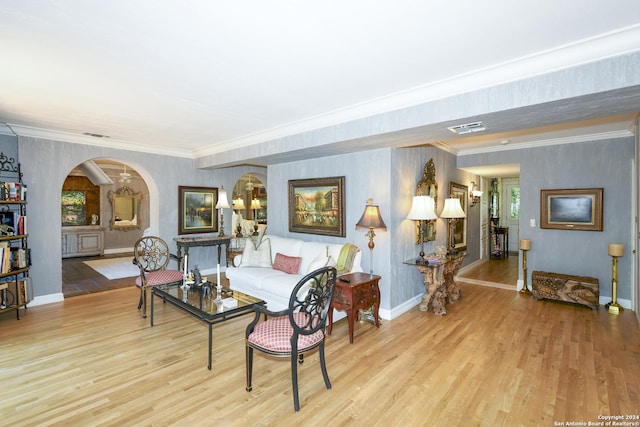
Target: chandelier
125,177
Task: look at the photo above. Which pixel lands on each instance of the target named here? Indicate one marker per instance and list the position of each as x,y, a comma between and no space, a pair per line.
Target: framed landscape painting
571,209
316,206
197,210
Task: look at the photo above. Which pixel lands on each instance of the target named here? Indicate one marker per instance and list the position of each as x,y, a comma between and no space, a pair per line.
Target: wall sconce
371,220
475,194
422,209
223,203
452,211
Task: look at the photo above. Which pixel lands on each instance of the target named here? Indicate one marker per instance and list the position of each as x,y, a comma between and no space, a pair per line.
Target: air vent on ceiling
468,128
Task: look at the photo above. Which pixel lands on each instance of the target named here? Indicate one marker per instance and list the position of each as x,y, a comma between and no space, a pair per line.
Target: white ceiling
194,77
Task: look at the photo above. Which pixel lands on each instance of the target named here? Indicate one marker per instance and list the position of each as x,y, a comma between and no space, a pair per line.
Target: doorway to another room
500,230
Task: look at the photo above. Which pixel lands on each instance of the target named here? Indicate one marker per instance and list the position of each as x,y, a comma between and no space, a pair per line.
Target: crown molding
118,144
623,133
593,49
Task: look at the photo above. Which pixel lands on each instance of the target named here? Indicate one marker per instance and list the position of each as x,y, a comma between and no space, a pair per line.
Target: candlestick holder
525,245
615,251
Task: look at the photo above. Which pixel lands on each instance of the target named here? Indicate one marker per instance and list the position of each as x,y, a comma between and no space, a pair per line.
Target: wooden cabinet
354,292
80,241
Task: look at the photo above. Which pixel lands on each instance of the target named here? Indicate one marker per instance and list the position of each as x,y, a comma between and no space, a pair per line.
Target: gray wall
390,177
46,163
596,164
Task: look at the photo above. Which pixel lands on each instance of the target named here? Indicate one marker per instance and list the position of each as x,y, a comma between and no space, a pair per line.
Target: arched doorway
91,235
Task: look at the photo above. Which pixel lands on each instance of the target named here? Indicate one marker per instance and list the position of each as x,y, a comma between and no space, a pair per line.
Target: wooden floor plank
496,358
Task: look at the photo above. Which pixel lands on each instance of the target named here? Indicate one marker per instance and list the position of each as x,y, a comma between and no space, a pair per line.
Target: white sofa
275,286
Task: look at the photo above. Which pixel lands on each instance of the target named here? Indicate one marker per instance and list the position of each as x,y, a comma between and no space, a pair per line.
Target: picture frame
73,207
572,209
460,192
316,206
197,210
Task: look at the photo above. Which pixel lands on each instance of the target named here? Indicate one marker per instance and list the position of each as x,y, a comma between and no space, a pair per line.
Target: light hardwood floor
497,358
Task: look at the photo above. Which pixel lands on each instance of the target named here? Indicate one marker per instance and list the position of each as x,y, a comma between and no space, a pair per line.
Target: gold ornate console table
439,282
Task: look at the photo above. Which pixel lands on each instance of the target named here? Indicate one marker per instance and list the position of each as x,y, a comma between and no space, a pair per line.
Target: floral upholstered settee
271,270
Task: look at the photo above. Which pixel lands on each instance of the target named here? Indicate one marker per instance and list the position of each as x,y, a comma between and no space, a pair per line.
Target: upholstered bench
567,288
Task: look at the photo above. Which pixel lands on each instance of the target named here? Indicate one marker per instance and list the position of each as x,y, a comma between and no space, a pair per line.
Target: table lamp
452,211
371,220
422,210
223,203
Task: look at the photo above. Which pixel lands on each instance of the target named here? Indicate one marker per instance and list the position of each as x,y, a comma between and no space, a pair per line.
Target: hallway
497,273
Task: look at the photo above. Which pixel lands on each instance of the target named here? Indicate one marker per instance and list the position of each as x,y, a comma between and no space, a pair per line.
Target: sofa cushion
282,285
288,264
320,261
309,251
253,256
283,245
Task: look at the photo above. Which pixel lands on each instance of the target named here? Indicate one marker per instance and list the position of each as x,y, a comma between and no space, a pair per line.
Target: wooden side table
360,292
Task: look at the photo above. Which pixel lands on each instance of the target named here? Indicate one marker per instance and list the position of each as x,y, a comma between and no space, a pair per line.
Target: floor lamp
615,251
371,220
422,210
223,203
525,245
452,211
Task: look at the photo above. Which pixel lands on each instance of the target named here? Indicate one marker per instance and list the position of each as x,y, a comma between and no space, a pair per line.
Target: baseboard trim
46,299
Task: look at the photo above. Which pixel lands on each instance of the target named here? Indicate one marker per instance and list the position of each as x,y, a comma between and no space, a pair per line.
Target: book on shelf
14,191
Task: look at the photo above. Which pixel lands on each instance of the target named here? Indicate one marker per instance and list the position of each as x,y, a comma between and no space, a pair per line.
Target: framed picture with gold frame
571,209
460,192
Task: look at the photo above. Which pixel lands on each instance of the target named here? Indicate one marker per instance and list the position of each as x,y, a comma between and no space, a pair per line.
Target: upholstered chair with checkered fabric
296,330
151,255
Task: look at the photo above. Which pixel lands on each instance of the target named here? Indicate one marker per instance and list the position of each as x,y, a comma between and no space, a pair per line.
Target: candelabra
525,245
615,251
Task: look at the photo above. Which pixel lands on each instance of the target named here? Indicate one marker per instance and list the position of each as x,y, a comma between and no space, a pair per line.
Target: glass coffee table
201,304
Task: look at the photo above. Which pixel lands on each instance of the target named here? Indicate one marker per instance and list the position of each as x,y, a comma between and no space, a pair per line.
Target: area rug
114,268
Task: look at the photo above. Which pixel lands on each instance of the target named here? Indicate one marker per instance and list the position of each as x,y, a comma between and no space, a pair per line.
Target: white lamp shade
255,204
422,208
238,203
223,202
452,209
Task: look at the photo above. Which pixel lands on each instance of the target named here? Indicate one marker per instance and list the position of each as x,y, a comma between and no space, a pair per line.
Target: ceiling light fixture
467,128
125,177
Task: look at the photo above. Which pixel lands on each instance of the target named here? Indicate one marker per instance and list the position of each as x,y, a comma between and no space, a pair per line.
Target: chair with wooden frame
151,255
297,329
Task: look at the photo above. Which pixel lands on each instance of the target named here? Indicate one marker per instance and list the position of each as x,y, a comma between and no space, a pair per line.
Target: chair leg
249,357
323,366
294,381
144,302
140,300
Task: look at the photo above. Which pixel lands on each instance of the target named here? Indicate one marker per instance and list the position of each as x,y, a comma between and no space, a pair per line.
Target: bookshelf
15,290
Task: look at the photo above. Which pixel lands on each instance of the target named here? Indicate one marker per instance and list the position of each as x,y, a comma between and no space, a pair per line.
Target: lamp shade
525,244
616,249
255,204
238,203
452,209
223,202
422,208
371,218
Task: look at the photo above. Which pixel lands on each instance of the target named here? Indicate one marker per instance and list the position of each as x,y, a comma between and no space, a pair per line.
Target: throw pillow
288,264
319,262
253,256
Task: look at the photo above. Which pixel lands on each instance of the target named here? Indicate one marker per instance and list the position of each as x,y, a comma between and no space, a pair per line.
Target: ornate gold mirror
125,204
427,186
